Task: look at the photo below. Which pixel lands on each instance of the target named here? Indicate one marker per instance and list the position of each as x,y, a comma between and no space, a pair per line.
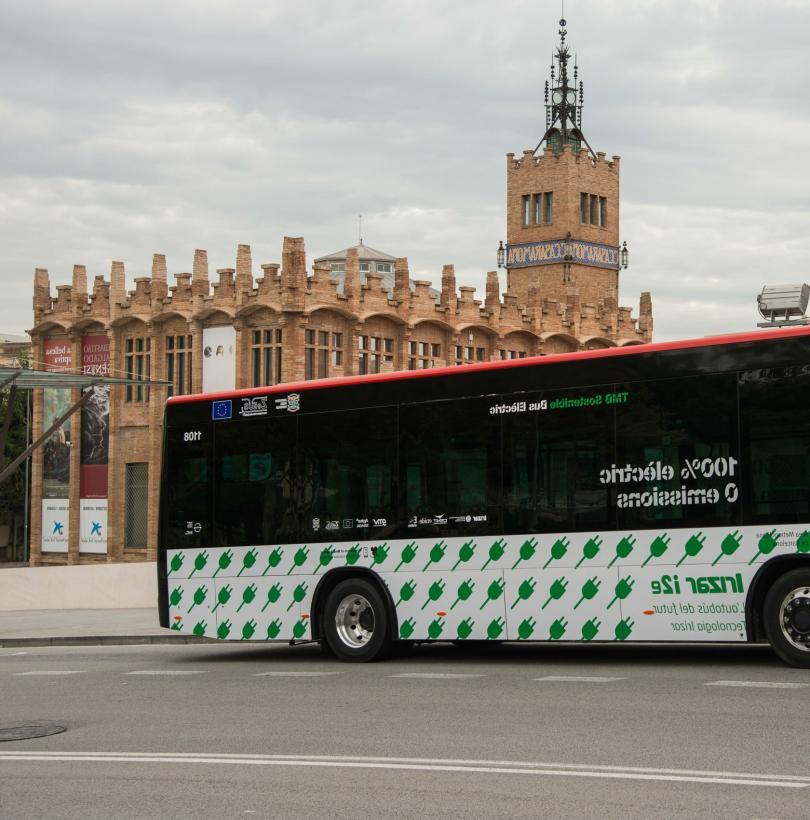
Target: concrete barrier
83,586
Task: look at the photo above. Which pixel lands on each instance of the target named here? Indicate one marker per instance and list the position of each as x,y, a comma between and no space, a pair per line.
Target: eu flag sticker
221,410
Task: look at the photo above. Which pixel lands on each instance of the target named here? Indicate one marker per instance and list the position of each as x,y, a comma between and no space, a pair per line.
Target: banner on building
95,448
93,526
56,451
219,359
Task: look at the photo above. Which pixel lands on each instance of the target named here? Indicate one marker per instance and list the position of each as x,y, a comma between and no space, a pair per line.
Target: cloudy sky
134,128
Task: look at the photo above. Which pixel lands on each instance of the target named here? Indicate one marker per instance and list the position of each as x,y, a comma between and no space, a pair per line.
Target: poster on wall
56,452
95,448
219,360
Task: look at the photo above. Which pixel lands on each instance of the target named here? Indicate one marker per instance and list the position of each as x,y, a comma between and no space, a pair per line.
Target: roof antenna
360,228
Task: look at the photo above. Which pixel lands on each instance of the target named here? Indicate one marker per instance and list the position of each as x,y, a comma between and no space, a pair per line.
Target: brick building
358,312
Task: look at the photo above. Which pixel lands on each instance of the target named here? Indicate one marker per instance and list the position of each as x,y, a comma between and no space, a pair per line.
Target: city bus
657,492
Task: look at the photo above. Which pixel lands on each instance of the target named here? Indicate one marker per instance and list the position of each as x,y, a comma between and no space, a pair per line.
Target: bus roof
553,358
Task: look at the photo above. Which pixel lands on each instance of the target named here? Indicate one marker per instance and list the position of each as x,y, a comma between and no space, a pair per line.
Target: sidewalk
72,627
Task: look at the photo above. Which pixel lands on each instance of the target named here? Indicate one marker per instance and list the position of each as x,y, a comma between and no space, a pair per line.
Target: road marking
577,679
437,675
294,674
171,672
758,684
12,654
536,769
49,672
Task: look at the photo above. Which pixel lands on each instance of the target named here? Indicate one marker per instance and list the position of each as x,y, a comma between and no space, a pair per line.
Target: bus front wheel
355,621
787,617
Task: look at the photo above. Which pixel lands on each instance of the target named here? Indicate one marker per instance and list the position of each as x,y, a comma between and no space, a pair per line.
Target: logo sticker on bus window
221,410
256,406
292,404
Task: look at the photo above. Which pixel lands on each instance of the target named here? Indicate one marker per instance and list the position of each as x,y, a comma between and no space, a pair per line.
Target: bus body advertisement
655,493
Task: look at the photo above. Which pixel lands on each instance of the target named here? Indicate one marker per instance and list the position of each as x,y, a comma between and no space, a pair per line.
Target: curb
103,640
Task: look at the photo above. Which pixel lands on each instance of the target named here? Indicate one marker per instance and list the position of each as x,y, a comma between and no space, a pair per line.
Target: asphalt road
512,731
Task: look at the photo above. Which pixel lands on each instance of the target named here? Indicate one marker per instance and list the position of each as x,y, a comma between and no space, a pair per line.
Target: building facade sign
531,254
219,360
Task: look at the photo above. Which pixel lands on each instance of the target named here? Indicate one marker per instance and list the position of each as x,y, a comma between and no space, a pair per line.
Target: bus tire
355,621
786,615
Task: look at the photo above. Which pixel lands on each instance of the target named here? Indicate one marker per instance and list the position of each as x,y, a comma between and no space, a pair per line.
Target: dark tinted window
187,510
348,464
254,481
555,444
450,467
775,421
683,434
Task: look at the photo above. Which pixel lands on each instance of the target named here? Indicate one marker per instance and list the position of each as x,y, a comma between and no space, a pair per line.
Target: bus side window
775,426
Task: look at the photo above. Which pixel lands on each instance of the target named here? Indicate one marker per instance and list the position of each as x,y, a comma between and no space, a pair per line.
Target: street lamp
501,255
624,256
568,256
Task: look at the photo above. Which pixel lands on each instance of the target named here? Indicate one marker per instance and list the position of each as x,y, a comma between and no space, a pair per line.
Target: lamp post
501,255
568,257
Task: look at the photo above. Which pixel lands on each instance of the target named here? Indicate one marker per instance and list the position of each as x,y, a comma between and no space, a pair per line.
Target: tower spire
564,111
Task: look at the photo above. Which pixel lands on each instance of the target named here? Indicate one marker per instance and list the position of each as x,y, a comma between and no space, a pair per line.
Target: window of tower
548,215
603,211
583,209
527,209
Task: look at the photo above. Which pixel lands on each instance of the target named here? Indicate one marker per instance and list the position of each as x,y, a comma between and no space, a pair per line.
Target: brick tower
563,204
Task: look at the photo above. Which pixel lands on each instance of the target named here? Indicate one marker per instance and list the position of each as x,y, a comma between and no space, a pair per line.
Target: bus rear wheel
787,617
355,621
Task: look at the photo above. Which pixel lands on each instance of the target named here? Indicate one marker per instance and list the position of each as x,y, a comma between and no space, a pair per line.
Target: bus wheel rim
354,621
794,618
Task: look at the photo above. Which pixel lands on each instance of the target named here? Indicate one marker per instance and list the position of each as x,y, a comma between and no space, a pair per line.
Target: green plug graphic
273,560
557,629
273,629
199,628
436,554
224,630
223,597
558,550
299,594
465,553
299,559
224,561
177,562
380,554
803,542
248,595
177,594
658,547
248,629
526,628
406,591
525,591
527,550
177,626
435,592
273,594
494,591
200,595
495,552
353,555
465,589
556,591
465,629
766,545
730,545
408,554
622,590
406,629
299,629
590,629
495,629
623,549
248,560
623,629
435,628
325,558
589,590
590,550
693,546
199,562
